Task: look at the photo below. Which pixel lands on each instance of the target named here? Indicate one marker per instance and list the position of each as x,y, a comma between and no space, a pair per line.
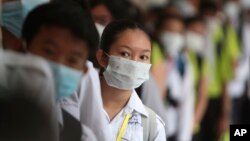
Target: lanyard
123,128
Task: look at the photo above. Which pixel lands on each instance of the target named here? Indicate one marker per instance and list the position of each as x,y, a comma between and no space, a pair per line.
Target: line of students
106,108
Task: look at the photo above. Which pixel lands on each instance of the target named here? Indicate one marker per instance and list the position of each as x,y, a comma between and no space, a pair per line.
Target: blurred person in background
11,21
64,41
222,51
100,12
195,43
233,17
232,11
238,87
159,70
179,79
27,113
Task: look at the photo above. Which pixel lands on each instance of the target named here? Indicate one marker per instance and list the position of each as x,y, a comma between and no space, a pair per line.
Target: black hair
114,29
208,5
165,18
193,19
94,3
124,9
69,15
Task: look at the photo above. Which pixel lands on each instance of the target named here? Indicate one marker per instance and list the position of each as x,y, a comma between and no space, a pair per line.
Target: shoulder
155,125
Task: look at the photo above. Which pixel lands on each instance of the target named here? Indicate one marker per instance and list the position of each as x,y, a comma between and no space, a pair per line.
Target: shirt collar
135,104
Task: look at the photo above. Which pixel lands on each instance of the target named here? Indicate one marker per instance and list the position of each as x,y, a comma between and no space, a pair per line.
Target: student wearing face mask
195,43
64,41
222,51
232,12
11,20
238,87
124,56
179,81
101,14
242,101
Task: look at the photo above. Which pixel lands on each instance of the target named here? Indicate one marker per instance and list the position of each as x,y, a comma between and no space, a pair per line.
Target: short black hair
208,5
193,19
94,3
115,28
124,9
165,18
69,15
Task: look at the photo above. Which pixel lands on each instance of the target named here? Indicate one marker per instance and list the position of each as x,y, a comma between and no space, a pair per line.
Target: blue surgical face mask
13,14
66,79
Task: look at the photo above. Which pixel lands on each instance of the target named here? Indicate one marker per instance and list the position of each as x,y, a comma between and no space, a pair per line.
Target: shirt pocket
137,134
127,135
134,134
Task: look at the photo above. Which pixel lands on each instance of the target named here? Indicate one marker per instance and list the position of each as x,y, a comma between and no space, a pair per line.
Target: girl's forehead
132,40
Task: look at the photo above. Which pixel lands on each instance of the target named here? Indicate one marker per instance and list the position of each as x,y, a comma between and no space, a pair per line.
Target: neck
113,99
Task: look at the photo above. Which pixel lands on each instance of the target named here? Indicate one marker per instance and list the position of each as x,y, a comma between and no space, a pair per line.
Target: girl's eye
125,54
144,57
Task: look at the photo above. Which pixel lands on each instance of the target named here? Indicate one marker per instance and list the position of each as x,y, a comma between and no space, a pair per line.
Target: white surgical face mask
232,10
173,43
213,23
195,42
126,74
99,28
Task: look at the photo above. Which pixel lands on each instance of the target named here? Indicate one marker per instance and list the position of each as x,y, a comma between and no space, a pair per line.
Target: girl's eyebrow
126,46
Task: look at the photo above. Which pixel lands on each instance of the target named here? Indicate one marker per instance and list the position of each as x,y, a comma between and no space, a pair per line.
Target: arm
202,101
223,124
161,133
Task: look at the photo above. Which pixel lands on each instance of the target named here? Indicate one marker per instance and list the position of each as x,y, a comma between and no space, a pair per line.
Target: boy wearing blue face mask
64,34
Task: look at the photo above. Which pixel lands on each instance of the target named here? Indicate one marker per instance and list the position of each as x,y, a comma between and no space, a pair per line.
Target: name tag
135,119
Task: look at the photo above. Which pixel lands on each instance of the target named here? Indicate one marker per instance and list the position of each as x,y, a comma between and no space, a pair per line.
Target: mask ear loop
106,54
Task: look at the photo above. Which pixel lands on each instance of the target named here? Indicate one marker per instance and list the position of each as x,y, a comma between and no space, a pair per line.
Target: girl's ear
102,58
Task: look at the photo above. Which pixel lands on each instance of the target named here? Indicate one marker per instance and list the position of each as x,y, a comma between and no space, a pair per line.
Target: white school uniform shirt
134,131
236,87
180,119
86,104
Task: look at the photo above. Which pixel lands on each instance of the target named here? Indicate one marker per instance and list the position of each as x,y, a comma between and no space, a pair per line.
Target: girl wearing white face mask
124,55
